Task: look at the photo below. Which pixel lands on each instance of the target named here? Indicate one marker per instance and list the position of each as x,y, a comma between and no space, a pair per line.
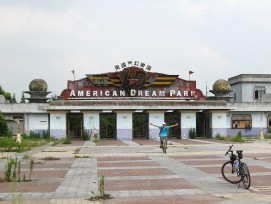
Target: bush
34,135
95,138
218,137
192,133
3,126
85,134
45,134
67,140
7,143
238,137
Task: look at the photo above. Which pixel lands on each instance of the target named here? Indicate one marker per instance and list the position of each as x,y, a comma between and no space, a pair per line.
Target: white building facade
100,104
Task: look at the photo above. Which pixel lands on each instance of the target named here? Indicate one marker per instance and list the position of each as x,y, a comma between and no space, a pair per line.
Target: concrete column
188,121
218,124
92,121
58,124
157,118
124,125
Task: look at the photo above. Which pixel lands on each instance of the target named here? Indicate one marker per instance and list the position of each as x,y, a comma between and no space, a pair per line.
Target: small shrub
31,166
192,133
12,170
50,158
238,137
3,126
45,134
7,143
67,140
34,135
218,137
85,134
95,138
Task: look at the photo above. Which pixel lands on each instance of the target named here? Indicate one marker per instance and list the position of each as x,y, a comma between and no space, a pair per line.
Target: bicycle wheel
229,174
245,175
164,146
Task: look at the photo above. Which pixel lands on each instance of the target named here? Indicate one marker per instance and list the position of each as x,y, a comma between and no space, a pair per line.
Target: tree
3,126
22,98
13,99
7,95
1,91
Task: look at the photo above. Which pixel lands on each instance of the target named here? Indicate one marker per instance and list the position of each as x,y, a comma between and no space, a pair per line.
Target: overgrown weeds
103,195
12,171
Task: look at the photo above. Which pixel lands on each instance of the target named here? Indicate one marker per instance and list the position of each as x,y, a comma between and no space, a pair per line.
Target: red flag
190,72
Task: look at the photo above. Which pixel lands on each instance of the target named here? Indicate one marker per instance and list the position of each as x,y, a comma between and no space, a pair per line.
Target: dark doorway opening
108,126
202,124
172,118
75,125
140,125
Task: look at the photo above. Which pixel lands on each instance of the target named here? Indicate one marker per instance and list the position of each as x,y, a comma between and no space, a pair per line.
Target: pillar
58,124
124,125
188,121
92,122
218,124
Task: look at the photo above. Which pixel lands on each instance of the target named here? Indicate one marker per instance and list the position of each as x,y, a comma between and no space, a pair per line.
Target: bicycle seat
239,151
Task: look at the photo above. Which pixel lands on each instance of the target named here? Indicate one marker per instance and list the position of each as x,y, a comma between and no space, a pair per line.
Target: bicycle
164,145
235,171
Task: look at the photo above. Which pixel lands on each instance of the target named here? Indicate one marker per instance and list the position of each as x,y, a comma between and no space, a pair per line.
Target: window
259,91
241,121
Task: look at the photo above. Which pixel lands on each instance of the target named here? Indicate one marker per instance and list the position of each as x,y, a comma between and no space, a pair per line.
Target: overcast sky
216,39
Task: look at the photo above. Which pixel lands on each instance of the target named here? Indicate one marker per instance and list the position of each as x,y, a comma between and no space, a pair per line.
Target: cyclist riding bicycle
163,131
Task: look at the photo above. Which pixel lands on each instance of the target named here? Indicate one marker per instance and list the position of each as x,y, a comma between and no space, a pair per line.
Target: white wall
219,124
58,123
92,121
37,121
124,125
188,121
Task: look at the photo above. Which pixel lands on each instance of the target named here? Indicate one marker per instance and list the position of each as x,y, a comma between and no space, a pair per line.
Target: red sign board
131,82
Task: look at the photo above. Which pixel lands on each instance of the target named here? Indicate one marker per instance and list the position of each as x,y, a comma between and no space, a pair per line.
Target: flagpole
73,75
206,88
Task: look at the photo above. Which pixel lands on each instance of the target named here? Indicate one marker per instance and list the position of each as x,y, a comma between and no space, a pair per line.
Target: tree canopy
7,95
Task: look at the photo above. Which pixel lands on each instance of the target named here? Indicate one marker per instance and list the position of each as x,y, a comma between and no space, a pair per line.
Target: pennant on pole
191,72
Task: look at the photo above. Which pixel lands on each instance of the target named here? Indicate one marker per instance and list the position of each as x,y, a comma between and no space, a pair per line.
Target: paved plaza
138,172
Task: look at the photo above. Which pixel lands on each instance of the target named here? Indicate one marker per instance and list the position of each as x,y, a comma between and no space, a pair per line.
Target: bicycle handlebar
229,150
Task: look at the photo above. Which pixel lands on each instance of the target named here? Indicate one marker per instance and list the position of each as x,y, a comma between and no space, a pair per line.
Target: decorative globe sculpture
221,85
37,91
38,85
221,90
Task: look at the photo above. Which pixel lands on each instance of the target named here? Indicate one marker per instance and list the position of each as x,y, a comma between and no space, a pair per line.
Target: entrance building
122,104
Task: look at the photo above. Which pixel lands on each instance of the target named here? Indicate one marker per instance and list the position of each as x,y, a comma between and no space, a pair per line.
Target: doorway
202,124
108,125
140,125
75,125
172,118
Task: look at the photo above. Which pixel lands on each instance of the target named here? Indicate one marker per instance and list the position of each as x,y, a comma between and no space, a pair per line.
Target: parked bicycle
235,171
